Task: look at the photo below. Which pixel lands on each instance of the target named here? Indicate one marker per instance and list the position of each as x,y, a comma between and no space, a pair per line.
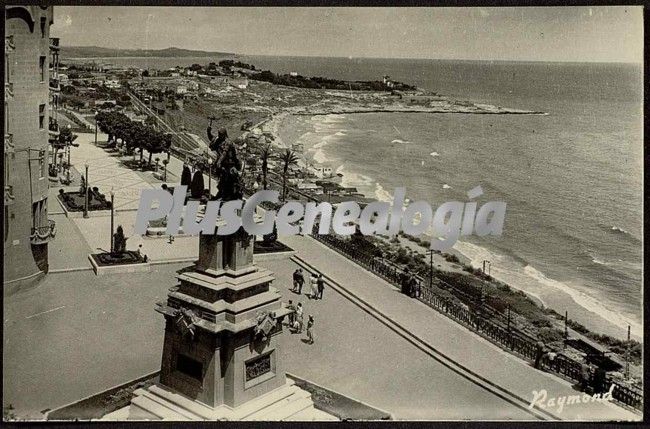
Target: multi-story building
27,229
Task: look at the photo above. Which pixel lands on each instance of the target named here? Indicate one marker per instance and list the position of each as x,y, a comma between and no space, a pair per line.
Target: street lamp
87,186
112,217
96,112
69,142
210,177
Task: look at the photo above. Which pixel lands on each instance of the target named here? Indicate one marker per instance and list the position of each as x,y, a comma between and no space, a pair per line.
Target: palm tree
288,158
265,155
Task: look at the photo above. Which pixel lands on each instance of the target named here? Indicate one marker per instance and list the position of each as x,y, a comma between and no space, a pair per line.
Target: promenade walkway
76,334
448,337
361,356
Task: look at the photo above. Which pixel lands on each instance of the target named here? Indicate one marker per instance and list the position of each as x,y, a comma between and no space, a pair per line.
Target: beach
327,140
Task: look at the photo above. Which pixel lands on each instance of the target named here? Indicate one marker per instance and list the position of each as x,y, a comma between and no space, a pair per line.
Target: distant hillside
96,51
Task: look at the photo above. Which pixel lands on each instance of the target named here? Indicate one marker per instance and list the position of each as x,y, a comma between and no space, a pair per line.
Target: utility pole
87,186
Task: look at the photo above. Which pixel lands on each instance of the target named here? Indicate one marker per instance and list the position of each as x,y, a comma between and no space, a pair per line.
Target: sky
601,34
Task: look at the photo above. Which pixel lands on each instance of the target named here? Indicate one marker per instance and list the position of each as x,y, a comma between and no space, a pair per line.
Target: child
310,333
299,323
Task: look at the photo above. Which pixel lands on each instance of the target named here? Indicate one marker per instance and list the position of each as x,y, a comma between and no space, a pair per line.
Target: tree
156,142
288,158
197,186
265,155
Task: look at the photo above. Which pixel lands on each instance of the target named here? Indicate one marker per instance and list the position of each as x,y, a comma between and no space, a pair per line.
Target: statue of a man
119,241
82,186
228,166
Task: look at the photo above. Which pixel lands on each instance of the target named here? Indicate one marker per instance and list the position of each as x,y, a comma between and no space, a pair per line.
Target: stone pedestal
221,356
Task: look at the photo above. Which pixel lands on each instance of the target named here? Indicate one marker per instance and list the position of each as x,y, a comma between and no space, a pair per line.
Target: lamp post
96,127
87,186
210,177
69,142
112,217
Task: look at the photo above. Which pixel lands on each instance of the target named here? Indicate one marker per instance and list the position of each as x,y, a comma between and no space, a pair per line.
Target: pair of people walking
317,286
296,316
298,281
296,321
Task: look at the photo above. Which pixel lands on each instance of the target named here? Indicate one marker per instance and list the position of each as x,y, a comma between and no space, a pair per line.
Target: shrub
550,335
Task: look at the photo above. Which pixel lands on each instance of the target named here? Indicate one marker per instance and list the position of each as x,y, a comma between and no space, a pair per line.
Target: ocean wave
354,180
341,133
446,186
382,195
434,154
400,141
586,301
621,232
332,118
518,276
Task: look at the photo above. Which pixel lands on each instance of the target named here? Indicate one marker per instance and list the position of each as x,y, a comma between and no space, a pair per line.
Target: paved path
447,336
76,334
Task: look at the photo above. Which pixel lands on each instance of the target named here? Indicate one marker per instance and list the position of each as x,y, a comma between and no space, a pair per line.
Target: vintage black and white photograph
316,214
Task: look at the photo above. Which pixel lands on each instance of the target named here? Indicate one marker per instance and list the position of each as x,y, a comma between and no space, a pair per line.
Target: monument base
157,402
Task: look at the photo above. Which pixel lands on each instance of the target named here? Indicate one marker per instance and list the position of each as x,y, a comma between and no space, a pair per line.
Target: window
43,23
36,215
41,66
189,366
41,116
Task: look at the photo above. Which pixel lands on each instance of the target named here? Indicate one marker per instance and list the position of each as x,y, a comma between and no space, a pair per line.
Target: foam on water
533,282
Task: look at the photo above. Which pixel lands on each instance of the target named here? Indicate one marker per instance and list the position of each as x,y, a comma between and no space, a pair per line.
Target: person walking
292,315
539,352
299,315
414,286
296,275
300,279
585,376
310,329
320,286
405,281
313,281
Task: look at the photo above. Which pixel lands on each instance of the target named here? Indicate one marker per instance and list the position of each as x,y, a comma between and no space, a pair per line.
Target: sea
572,179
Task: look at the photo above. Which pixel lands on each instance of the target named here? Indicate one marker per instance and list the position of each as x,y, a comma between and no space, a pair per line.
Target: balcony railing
9,194
9,89
9,143
53,128
482,322
54,85
9,44
54,43
43,234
